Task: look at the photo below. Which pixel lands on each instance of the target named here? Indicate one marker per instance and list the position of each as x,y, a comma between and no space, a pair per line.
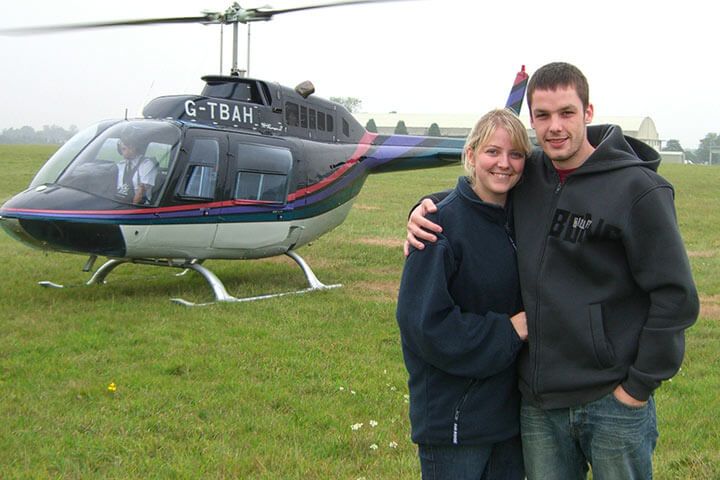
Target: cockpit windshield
128,162
56,164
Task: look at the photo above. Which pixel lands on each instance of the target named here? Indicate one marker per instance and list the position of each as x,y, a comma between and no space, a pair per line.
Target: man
606,285
136,174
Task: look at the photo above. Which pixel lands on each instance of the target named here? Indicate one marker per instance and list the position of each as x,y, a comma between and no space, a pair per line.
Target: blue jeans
616,440
498,461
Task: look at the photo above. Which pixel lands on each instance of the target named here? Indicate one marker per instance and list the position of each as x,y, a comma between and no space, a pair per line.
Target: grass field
303,387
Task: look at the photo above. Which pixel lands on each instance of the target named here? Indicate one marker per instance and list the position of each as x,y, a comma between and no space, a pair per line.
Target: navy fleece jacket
459,346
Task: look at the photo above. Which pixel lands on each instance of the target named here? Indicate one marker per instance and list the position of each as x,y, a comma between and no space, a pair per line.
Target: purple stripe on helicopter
516,96
402,140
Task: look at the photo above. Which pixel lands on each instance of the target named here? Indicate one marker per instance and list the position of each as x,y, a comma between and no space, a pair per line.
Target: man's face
560,120
127,151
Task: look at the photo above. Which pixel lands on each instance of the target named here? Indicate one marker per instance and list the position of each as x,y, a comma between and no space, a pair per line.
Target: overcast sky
642,57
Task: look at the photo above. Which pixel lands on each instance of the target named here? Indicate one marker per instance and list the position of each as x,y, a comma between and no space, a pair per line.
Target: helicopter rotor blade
264,14
234,14
207,18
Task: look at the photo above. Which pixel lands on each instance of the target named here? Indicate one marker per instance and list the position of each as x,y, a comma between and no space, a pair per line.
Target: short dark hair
559,74
134,137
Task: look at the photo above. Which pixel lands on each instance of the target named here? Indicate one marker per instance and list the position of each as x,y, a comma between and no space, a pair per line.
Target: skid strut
219,290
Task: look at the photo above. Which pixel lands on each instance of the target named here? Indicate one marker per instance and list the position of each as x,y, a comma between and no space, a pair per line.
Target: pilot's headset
133,136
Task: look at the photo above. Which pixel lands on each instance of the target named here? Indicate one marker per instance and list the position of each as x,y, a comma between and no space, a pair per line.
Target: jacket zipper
509,235
456,417
556,199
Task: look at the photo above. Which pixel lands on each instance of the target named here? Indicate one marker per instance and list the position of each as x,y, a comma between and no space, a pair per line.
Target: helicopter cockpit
126,162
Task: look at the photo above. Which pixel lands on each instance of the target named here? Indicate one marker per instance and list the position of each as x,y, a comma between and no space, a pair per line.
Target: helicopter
247,169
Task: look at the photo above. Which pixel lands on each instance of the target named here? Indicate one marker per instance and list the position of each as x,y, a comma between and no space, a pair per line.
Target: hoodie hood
614,150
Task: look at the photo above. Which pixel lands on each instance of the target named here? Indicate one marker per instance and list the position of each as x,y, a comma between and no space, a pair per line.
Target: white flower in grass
373,423
374,446
342,389
353,392
393,445
356,426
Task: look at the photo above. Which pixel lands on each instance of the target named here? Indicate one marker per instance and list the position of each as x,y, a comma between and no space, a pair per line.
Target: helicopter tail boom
407,152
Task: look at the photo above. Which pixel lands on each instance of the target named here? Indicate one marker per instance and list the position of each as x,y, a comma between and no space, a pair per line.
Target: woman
461,320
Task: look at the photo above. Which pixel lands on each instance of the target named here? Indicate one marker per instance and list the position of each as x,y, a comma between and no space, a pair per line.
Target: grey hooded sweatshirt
605,277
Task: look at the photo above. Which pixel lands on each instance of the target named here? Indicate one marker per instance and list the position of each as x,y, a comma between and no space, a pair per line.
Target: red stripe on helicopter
363,146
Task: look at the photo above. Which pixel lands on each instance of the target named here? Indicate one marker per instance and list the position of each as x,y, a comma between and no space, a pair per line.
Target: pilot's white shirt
144,174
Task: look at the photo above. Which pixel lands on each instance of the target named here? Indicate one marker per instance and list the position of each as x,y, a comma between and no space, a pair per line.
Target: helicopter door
196,182
258,182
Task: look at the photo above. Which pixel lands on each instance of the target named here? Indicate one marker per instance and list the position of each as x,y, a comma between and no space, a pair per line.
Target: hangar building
459,125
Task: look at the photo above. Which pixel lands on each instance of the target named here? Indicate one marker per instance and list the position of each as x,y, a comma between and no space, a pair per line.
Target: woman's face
497,167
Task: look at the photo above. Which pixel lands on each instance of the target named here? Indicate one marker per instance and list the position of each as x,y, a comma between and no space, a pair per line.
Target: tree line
707,152
50,134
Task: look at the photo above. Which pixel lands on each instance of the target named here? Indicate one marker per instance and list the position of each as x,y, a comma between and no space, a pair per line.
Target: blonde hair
486,127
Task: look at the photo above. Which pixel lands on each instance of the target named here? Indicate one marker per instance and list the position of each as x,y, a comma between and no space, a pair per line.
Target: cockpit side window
201,175
262,173
262,186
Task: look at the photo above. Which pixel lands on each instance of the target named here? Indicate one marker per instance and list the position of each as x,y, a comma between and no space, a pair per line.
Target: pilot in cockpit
136,173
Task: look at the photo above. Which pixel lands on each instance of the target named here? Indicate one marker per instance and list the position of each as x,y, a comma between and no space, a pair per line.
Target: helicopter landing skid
221,294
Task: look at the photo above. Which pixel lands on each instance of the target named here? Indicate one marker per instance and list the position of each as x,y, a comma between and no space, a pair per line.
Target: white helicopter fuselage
230,240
